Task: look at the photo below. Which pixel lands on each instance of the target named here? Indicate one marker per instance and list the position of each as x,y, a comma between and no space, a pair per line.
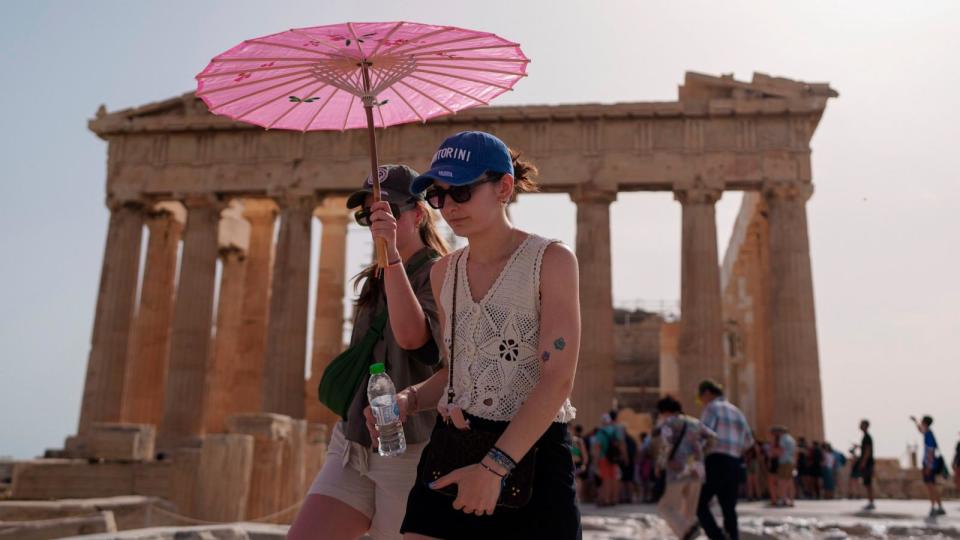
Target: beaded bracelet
502,458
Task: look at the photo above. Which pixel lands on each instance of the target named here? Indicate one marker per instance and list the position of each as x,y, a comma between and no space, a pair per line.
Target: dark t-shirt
866,443
630,460
404,367
803,458
817,458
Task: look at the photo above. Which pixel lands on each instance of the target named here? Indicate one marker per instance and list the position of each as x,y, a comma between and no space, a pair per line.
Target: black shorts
866,474
551,513
929,477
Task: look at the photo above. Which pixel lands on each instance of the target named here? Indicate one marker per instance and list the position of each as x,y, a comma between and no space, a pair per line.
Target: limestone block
55,479
223,477
314,453
58,527
293,473
121,442
266,425
271,434
152,478
129,512
74,478
183,478
74,447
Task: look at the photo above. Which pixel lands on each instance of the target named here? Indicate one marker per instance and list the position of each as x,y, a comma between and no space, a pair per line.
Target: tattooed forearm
558,344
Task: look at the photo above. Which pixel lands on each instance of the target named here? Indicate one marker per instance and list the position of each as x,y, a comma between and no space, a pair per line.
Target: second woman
358,491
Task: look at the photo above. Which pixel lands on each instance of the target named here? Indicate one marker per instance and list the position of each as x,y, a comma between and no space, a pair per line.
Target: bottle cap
377,368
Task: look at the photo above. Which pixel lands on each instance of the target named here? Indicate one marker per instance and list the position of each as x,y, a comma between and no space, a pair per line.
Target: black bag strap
453,329
676,445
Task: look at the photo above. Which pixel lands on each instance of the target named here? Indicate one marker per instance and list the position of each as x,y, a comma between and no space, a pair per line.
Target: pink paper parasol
357,75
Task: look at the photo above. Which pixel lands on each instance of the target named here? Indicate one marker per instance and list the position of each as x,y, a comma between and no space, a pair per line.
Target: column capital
587,193
790,190
294,201
259,210
332,210
202,200
697,195
115,203
168,210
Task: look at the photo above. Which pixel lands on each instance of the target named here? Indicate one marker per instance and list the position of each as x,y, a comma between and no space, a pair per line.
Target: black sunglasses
363,215
436,196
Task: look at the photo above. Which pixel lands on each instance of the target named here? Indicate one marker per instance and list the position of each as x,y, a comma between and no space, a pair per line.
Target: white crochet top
497,362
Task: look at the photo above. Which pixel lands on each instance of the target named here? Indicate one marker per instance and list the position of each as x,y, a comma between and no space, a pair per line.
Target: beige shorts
376,486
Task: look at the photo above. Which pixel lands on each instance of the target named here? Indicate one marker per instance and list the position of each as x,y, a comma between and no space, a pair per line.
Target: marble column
593,391
190,340
220,376
795,366
328,322
234,238
103,387
146,372
700,346
248,373
284,367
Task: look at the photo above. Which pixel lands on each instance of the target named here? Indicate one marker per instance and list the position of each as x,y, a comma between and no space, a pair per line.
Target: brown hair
524,173
370,286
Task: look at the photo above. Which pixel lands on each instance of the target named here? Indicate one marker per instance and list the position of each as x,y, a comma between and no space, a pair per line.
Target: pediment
183,105
701,87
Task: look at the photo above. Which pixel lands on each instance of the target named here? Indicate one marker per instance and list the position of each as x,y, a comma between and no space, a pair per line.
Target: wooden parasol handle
368,102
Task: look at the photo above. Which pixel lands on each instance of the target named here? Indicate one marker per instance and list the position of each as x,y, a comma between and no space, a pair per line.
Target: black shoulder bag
451,448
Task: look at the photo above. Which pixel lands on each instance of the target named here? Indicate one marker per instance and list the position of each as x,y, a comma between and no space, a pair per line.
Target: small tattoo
545,356
559,344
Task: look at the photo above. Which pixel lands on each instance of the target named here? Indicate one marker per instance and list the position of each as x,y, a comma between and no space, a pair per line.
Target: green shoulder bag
342,377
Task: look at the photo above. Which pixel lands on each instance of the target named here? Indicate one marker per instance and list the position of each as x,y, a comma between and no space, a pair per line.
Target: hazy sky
883,220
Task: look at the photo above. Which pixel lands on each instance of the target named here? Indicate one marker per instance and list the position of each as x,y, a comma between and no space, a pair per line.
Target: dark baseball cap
395,183
465,157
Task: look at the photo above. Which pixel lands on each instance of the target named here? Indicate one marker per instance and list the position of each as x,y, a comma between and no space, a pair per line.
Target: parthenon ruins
169,352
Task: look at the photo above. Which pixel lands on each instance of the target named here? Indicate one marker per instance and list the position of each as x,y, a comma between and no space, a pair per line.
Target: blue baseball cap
465,157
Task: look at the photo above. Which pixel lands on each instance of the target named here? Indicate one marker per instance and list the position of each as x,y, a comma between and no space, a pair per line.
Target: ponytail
524,173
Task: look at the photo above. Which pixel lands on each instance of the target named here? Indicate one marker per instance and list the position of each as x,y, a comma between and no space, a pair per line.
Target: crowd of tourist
684,462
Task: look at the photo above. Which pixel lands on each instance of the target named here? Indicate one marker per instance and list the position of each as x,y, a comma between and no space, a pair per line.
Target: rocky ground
809,520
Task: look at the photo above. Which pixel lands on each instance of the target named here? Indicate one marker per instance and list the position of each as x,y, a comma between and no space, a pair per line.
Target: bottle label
385,410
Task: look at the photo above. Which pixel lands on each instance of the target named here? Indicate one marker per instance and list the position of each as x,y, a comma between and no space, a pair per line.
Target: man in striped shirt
723,461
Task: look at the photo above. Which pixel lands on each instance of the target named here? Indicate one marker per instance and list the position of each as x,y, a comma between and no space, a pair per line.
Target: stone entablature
728,134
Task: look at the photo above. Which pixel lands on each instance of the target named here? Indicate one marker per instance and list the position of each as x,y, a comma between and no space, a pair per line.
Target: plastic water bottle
386,412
